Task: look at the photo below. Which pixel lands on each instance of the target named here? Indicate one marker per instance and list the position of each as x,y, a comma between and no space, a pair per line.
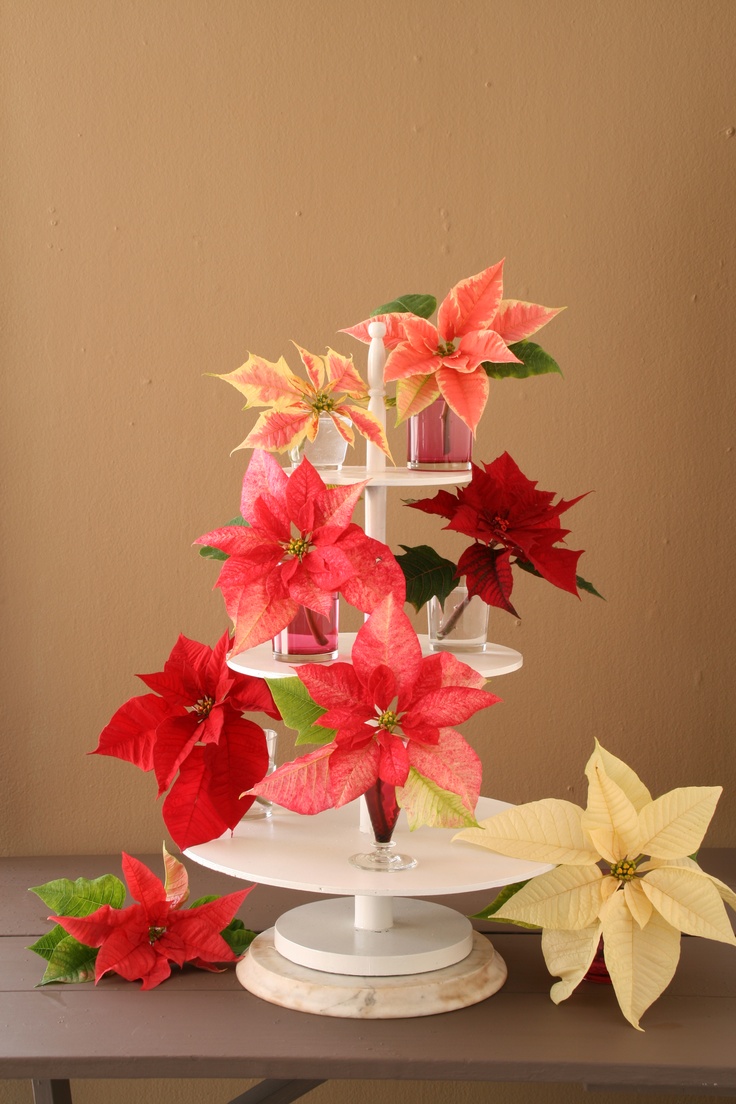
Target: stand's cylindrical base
266,974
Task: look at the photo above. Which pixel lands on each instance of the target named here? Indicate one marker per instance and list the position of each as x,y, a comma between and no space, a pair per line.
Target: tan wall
187,180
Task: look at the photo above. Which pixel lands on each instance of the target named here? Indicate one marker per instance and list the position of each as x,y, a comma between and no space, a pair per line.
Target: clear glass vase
383,809
327,451
460,625
439,440
262,807
310,637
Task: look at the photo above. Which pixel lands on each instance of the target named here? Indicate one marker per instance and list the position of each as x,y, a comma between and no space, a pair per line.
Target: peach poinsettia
333,387
649,890
475,326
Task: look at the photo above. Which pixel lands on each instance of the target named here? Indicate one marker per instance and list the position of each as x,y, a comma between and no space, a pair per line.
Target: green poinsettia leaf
423,305
582,584
211,553
47,944
82,897
70,962
498,902
534,362
428,575
424,802
203,901
299,710
238,937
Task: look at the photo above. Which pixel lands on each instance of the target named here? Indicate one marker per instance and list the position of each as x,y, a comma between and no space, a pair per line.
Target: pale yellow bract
624,874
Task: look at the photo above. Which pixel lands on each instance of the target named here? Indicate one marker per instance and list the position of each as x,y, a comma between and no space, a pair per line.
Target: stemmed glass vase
383,809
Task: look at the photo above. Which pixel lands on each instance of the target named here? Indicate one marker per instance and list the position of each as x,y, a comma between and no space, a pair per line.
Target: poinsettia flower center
297,546
203,707
446,348
322,403
625,870
155,933
500,523
388,719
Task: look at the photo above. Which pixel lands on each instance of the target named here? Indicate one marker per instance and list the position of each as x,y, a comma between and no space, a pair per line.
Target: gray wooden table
199,1024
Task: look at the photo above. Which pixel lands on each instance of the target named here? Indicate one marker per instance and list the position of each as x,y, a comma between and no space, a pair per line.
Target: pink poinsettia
512,523
393,712
474,325
299,548
190,731
333,388
141,941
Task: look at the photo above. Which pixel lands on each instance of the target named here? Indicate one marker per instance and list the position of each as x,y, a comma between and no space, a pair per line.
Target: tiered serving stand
372,949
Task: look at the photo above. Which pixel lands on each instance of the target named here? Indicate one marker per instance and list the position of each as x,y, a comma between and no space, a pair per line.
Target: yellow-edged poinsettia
625,874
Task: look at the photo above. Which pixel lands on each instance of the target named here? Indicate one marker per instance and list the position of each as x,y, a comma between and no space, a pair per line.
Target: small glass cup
383,809
328,449
262,807
439,440
461,625
310,637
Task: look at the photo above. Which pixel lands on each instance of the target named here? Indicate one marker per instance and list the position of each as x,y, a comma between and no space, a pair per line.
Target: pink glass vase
439,440
310,637
598,971
383,809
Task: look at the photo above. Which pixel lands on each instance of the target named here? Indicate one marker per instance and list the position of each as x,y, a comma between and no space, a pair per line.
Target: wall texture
185,181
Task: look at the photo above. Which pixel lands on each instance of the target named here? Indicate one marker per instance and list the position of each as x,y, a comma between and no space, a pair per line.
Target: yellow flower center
297,546
388,719
203,707
624,870
322,403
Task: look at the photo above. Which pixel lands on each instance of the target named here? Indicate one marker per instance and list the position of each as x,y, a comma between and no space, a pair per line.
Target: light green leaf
71,961
489,912
428,575
299,710
237,936
423,305
534,362
47,944
427,803
82,897
211,553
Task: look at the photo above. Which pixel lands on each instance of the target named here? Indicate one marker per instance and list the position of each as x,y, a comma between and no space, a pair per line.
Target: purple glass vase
310,637
439,440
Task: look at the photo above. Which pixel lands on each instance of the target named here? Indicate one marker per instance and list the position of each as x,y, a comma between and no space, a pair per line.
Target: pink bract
299,549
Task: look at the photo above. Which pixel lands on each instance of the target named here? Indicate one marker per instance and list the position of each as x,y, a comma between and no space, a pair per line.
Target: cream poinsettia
625,874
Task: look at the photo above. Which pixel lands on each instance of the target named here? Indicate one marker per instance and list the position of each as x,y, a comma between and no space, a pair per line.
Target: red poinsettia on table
190,731
512,524
391,714
142,940
298,548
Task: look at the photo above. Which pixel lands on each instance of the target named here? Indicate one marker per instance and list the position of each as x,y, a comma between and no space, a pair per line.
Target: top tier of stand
396,477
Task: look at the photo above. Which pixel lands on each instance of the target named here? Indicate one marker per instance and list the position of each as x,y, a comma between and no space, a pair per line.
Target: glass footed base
306,657
384,858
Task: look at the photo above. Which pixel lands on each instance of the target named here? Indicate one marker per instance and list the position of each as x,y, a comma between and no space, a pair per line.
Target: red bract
391,709
300,547
142,940
194,736
511,522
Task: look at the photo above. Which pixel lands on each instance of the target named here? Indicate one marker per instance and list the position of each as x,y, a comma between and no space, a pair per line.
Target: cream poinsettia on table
625,874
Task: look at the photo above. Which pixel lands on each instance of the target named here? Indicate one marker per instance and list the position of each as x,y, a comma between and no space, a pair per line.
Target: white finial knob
377,329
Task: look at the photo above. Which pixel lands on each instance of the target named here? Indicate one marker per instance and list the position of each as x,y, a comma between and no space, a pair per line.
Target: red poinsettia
194,736
298,549
475,325
512,523
142,941
392,710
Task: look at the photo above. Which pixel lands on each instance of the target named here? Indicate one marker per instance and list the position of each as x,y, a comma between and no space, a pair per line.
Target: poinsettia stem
314,628
445,417
453,619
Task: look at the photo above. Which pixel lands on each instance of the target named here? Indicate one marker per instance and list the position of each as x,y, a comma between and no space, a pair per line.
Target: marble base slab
266,974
